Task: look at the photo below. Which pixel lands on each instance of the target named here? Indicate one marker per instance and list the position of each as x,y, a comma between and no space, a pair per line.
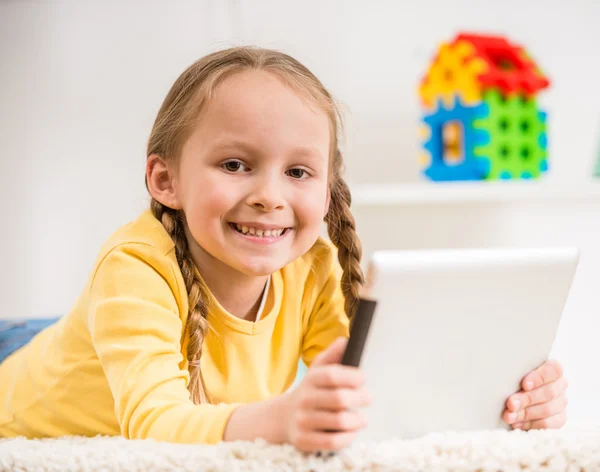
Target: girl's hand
542,402
321,413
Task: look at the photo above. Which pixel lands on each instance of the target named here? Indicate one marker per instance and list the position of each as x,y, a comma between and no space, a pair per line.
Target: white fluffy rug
482,451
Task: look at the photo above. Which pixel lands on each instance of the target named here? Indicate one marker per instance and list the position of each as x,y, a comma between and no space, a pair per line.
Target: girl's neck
240,296
238,293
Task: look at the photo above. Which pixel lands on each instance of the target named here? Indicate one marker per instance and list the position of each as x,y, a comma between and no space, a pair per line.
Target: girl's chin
259,266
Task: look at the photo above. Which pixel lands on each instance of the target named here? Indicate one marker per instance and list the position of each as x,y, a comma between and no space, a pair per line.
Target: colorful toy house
481,117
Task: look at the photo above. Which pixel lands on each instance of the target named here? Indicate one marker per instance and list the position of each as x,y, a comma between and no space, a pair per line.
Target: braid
342,232
196,325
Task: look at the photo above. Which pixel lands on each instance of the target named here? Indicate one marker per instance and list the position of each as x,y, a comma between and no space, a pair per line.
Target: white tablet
453,332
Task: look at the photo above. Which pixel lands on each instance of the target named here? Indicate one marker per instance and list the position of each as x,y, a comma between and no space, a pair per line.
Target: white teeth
260,232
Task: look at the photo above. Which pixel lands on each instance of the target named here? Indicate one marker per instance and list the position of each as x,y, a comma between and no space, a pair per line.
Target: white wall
81,82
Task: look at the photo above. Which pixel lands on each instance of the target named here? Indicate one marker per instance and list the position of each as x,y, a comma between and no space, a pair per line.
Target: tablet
445,336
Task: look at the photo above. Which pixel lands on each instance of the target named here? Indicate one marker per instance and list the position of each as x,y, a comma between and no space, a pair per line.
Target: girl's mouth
259,234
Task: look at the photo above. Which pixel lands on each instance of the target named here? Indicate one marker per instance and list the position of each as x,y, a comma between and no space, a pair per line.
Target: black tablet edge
359,329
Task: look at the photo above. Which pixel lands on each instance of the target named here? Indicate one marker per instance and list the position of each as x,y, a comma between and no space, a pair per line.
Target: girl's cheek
216,196
312,203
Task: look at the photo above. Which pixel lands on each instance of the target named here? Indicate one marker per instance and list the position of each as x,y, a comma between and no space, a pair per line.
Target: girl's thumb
333,354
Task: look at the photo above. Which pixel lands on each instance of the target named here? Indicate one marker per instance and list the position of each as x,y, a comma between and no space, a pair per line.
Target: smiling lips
259,231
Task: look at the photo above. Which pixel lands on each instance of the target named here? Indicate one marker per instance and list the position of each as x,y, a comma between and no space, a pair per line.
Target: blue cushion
16,333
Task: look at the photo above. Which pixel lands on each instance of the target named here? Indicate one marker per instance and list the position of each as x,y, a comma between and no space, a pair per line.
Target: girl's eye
298,173
234,166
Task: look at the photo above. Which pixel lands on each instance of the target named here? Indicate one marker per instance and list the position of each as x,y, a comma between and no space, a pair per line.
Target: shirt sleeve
327,320
136,331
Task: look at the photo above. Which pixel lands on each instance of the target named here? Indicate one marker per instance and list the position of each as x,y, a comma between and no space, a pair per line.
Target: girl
195,315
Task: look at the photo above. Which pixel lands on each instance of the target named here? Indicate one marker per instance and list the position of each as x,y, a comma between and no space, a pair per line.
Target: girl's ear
160,180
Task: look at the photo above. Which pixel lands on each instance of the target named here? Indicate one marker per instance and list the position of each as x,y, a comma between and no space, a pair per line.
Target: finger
338,399
537,412
553,422
539,395
332,354
320,420
548,372
335,375
318,441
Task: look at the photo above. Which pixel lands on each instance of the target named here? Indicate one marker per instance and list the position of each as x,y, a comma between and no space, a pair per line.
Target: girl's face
252,180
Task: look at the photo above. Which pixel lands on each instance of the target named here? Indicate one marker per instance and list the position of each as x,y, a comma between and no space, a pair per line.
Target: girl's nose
267,195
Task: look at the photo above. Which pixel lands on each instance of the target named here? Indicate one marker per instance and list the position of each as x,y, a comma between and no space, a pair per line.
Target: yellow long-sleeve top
116,364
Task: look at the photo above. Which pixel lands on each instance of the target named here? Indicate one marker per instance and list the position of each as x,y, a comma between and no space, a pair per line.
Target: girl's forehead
258,102
257,90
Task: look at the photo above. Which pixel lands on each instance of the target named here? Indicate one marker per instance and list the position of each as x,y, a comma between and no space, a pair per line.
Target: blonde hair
175,122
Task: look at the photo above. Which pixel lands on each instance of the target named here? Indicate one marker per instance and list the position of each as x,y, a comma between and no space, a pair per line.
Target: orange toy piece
455,71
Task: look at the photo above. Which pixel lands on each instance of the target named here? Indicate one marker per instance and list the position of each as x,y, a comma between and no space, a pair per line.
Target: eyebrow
299,151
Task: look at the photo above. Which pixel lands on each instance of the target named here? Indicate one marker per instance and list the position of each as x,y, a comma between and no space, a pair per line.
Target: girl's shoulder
139,258
145,230
143,242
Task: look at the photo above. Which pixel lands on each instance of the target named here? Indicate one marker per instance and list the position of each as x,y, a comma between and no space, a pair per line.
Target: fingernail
529,385
516,404
512,417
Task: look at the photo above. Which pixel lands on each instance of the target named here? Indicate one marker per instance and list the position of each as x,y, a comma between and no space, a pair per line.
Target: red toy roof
509,66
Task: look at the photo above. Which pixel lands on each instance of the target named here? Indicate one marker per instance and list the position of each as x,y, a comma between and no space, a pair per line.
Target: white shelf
453,193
